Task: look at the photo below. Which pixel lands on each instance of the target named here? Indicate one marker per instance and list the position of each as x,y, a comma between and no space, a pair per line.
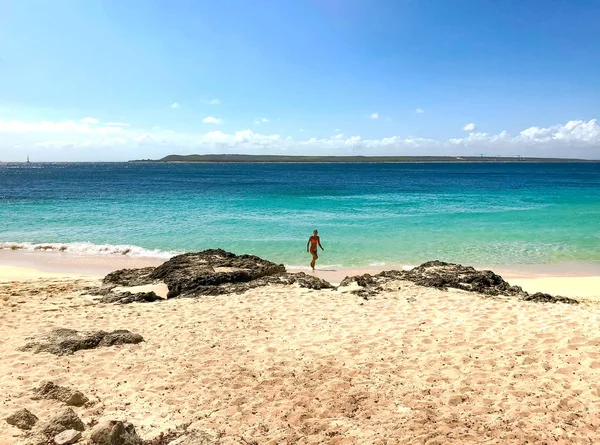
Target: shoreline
577,280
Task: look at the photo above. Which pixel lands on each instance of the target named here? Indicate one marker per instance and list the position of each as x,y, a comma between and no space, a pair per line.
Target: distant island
238,158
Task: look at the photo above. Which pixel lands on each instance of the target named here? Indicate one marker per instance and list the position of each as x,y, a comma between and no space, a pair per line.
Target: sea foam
89,249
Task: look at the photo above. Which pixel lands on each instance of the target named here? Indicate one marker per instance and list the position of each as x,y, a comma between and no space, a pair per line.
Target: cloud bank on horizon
108,81
77,140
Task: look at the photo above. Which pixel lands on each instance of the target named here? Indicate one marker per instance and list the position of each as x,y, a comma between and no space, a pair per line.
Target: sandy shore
283,365
569,280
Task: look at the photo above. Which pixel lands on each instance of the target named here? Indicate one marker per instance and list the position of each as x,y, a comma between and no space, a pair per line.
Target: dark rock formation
64,420
211,272
22,419
193,272
540,297
113,432
67,341
49,390
299,278
128,297
129,277
444,275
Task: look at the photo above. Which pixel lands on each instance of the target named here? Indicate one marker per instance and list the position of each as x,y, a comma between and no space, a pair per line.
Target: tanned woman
311,247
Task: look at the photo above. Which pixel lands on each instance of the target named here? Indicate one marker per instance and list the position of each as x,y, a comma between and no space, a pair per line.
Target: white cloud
578,131
470,127
337,130
74,140
212,120
175,105
261,120
89,120
375,116
69,126
419,111
213,102
116,124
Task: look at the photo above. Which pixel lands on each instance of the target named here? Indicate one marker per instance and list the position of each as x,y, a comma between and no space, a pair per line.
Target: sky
114,80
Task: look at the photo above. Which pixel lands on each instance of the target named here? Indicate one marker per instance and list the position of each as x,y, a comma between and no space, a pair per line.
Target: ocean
366,214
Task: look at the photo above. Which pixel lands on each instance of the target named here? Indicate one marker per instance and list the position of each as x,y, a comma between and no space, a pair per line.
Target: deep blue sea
367,214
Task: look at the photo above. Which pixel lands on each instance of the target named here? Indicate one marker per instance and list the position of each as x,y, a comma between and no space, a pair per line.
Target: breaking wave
89,249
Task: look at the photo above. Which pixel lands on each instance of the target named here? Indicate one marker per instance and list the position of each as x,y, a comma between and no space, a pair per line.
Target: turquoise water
367,214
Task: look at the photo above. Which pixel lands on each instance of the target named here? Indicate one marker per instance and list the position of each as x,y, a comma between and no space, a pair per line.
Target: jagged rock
128,297
301,279
67,341
367,285
113,432
192,272
64,420
49,390
540,297
67,437
213,272
129,277
22,419
444,275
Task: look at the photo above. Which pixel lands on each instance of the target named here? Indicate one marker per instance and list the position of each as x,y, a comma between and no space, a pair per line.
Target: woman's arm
319,241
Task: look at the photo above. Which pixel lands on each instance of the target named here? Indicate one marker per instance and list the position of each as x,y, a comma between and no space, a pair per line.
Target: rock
67,341
367,285
128,297
129,277
447,275
49,390
213,272
64,420
193,272
301,279
113,432
67,437
22,419
540,297
444,275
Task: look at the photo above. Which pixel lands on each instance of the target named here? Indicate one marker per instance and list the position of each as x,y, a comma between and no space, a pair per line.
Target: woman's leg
315,257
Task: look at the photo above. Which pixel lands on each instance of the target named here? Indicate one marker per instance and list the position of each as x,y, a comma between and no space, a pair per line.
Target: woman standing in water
311,247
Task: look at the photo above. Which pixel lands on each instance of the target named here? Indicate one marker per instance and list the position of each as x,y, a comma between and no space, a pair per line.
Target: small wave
89,249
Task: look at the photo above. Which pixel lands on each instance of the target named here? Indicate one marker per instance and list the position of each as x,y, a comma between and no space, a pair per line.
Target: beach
285,364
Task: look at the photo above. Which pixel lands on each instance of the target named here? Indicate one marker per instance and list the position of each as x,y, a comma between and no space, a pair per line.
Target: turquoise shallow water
367,214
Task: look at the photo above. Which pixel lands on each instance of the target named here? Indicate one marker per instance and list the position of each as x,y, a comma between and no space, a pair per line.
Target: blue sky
298,77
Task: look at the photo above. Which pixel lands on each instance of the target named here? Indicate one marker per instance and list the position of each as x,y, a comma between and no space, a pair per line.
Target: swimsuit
313,243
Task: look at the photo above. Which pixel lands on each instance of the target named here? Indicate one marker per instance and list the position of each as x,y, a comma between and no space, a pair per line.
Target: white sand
13,273
284,365
576,287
